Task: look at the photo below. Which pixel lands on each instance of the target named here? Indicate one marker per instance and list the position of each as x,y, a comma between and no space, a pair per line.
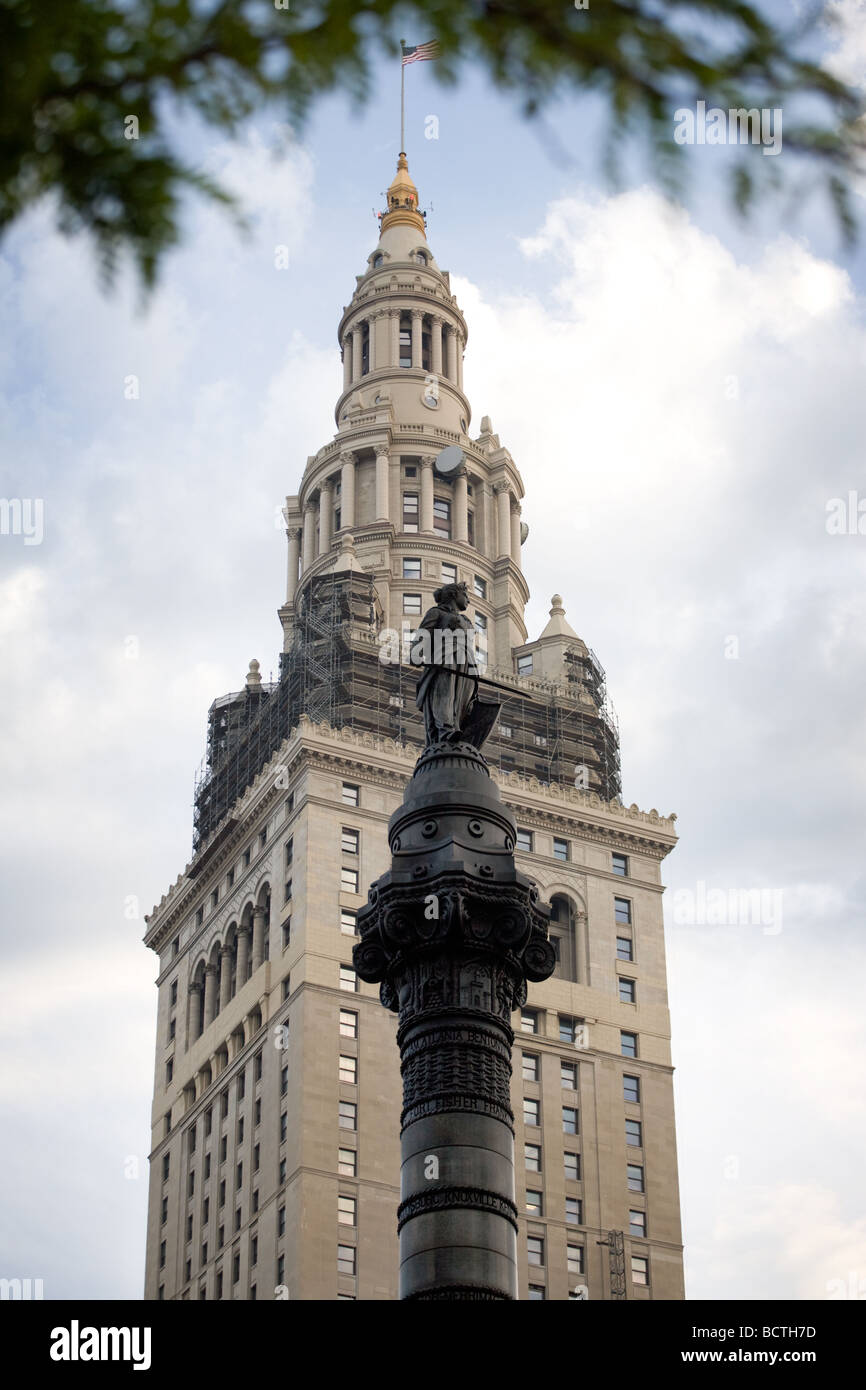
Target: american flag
420,53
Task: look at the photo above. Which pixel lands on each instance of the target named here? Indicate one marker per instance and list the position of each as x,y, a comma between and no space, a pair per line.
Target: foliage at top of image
74,70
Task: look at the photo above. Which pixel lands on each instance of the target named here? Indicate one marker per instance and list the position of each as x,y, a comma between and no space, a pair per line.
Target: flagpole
402,99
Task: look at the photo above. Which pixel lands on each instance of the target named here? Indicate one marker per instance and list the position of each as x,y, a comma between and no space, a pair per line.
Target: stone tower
276,1114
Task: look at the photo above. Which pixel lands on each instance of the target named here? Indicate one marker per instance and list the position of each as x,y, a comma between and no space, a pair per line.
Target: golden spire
403,201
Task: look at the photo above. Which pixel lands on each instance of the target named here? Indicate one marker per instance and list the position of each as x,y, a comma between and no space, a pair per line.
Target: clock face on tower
430,393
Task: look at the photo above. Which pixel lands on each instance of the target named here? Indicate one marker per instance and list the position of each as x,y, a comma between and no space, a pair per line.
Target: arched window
563,919
421,257
378,259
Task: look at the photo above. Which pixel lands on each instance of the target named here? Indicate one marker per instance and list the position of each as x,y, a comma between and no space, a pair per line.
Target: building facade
277,1094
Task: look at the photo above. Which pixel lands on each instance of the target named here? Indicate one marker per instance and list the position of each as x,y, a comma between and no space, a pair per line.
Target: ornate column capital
382,450
210,969
417,313
195,987
348,456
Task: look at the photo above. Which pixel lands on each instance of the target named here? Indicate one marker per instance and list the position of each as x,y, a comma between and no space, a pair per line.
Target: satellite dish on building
448,462
524,532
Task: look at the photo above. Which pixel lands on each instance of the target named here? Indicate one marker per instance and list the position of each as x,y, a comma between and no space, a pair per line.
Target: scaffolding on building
559,733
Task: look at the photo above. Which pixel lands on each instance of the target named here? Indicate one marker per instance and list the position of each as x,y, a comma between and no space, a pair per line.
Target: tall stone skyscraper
276,1109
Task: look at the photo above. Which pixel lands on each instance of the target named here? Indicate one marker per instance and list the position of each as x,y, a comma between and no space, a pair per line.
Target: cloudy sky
684,396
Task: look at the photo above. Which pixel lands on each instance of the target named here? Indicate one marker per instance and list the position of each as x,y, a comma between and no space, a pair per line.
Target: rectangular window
263,837
349,840
524,841
348,1114
283,1172
574,1211
535,1249
575,1259
221,1237
537,1293
190,1189
572,1167
628,1044
569,1119
222,1193
199,916
560,849
255,1199
506,731
236,1269
189,1227
529,1021
238,1219
620,864
239,1175
348,1023
567,1028
530,1067
281,1270
348,922
633,1134
449,574
350,794
162,1255
290,804
254,1250
172,996
281,1221
622,911
284,1081
531,1111
442,518
346,1259
347,1208
224,1148
635,1177
627,991
349,880
241,1130
539,740
248,854
347,1163
287,898
532,1157
287,987
284,1126
640,1271
257,1067
624,948
348,1069
169,1071
242,1085
412,604
348,979
411,569
480,586
410,511
166,1161
568,1075
637,1223
524,665
224,1104
533,1204
214,897
631,1089
288,854
163,1217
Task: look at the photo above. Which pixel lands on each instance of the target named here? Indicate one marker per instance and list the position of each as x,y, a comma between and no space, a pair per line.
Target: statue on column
448,689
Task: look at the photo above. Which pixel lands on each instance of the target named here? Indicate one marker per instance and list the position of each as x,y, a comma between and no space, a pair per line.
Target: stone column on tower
461,507
225,976
347,490
460,346
451,346
383,482
347,361
426,519
309,544
394,337
503,504
437,345
243,955
294,535
210,993
417,318
195,992
326,514
515,531
258,938
357,342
